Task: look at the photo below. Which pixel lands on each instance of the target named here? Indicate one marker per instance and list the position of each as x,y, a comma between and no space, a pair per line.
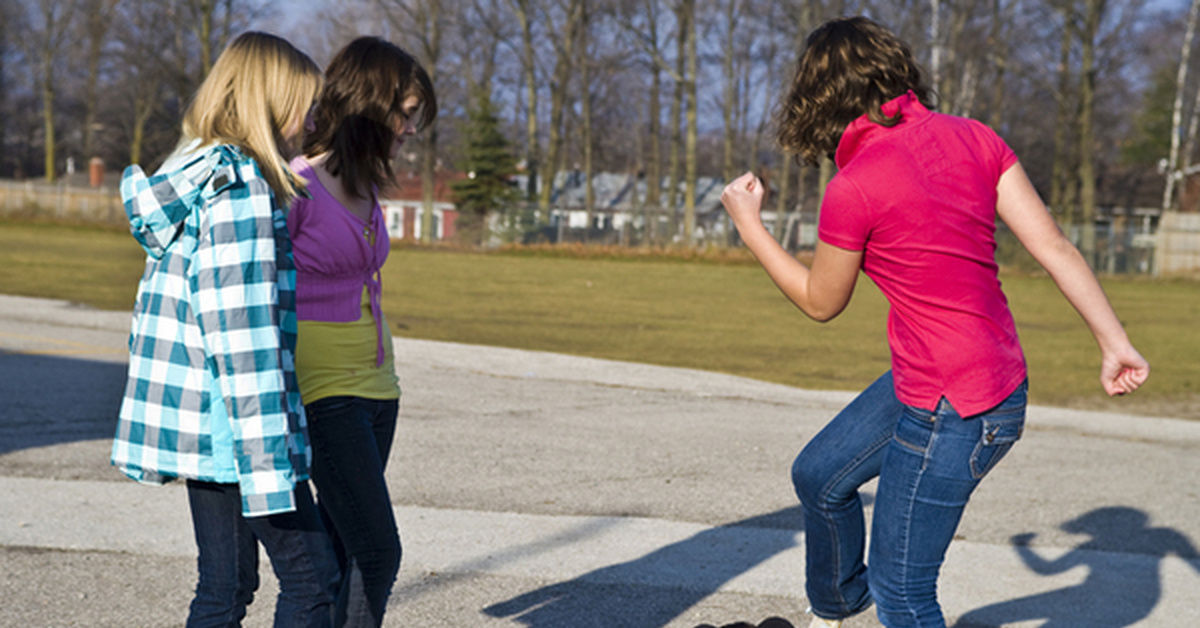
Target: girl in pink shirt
375,96
913,206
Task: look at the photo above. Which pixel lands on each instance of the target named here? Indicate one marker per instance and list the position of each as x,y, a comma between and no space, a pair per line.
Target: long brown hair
260,86
849,67
366,85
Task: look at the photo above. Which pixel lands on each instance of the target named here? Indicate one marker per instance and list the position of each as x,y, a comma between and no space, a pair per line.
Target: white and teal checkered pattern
212,392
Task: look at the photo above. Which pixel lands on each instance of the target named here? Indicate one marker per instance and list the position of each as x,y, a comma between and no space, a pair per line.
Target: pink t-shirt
919,199
336,254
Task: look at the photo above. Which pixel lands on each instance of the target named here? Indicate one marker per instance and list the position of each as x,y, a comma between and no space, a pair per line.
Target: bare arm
821,292
1040,565
1122,368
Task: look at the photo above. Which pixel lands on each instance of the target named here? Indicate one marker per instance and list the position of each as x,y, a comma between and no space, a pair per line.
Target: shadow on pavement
49,400
624,595
1116,593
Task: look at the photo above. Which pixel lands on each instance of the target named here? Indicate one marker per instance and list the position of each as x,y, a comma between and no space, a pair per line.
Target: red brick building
403,206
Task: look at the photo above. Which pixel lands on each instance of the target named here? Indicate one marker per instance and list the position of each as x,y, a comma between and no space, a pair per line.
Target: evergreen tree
490,164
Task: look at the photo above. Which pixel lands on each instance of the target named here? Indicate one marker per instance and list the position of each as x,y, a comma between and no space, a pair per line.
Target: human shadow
652,590
1123,585
51,400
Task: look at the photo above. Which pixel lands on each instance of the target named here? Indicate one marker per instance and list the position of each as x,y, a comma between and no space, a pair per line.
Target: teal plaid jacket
212,392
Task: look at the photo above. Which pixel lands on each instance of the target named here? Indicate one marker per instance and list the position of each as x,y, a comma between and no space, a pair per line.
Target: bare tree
999,45
523,11
585,95
688,12
1094,13
146,68
97,22
564,50
8,26
730,93
483,26
1172,171
640,21
1062,190
676,116
935,41
212,23
47,38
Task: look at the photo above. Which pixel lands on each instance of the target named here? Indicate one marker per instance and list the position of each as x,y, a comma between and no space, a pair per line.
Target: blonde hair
260,86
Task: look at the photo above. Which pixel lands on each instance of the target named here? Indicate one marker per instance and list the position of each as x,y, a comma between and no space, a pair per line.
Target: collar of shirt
863,131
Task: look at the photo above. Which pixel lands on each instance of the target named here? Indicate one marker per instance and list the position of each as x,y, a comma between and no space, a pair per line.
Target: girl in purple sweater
913,206
375,96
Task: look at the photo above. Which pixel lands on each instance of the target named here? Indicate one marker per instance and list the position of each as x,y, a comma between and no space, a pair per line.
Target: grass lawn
724,317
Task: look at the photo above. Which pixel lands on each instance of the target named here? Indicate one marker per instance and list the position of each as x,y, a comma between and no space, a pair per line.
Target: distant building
620,203
403,206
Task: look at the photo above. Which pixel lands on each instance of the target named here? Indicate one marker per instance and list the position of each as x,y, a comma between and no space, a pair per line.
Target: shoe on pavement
821,622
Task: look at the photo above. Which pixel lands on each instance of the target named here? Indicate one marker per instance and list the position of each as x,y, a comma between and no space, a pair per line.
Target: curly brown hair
849,67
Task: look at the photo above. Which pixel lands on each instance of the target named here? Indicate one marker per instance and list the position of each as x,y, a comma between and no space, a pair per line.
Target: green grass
716,313
92,265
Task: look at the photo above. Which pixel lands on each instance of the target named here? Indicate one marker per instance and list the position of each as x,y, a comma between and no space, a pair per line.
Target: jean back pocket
997,437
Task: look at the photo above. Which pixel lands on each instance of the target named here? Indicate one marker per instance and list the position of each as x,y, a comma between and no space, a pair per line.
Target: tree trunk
730,88
957,83
677,119
1087,132
203,27
827,171
99,18
1001,18
564,64
56,18
654,162
1177,111
585,94
781,206
143,108
689,195
433,51
1061,188
529,74
935,44
48,118
729,102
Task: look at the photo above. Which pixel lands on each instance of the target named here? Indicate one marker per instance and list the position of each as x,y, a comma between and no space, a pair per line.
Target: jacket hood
157,206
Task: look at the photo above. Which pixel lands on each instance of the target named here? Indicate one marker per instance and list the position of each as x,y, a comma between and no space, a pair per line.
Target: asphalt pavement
542,490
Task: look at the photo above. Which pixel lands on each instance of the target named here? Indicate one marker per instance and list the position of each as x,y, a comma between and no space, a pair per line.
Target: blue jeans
928,463
296,543
351,440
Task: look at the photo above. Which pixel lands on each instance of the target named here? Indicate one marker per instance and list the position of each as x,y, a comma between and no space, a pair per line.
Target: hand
743,198
1025,538
1123,371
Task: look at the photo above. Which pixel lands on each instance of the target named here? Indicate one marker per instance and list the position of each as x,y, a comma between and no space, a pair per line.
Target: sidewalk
542,490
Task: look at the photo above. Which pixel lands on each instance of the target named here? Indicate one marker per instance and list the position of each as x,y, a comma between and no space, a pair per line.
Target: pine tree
490,164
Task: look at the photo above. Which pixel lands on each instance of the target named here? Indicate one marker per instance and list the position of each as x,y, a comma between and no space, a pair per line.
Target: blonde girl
212,395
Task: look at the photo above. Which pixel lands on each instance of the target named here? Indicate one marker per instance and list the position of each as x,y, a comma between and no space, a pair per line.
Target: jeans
928,463
296,543
351,440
